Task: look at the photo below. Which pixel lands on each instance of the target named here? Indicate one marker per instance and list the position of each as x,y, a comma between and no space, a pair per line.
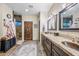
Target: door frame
32,29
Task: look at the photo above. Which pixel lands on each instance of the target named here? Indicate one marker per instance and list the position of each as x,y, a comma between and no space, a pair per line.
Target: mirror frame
55,23
65,9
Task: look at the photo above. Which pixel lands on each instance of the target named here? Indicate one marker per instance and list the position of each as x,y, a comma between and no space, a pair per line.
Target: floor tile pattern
29,48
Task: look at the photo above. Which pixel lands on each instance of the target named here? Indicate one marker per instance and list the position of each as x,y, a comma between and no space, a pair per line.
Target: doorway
18,24
28,29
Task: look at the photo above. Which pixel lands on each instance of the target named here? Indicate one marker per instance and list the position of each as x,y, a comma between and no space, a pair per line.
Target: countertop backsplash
69,35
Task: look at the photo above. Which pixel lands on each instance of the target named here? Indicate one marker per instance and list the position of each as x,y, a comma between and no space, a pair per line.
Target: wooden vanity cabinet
46,45
52,49
56,51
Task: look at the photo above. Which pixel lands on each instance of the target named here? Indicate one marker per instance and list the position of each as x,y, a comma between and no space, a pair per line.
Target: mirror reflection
52,22
70,17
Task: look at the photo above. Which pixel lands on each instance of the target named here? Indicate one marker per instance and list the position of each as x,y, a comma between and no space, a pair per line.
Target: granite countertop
57,41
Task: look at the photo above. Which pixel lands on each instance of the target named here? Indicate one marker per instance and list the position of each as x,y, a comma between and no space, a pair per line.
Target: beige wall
4,10
1,25
35,20
43,22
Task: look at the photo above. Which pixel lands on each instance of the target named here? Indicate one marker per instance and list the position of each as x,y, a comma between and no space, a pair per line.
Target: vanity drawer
51,48
48,41
54,53
48,53
59,51
48,47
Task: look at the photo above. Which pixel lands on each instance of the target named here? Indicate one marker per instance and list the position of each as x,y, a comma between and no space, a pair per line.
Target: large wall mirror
69,17
52,23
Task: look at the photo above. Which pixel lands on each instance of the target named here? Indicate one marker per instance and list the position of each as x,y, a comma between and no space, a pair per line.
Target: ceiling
34,8
72,11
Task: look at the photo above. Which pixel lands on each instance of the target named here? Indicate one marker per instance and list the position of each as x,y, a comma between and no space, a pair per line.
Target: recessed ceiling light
26,10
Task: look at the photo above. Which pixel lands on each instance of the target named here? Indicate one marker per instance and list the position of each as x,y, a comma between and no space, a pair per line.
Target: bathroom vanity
54,46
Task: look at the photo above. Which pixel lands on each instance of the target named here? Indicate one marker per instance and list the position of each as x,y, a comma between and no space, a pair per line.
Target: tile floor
29,48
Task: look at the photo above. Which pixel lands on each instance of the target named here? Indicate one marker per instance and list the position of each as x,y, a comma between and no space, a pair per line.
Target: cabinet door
48,53
55,53
43,40
59,51
48,42
46,45
52,52
48,48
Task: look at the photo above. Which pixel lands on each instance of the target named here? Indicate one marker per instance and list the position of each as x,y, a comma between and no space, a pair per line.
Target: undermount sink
71,45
